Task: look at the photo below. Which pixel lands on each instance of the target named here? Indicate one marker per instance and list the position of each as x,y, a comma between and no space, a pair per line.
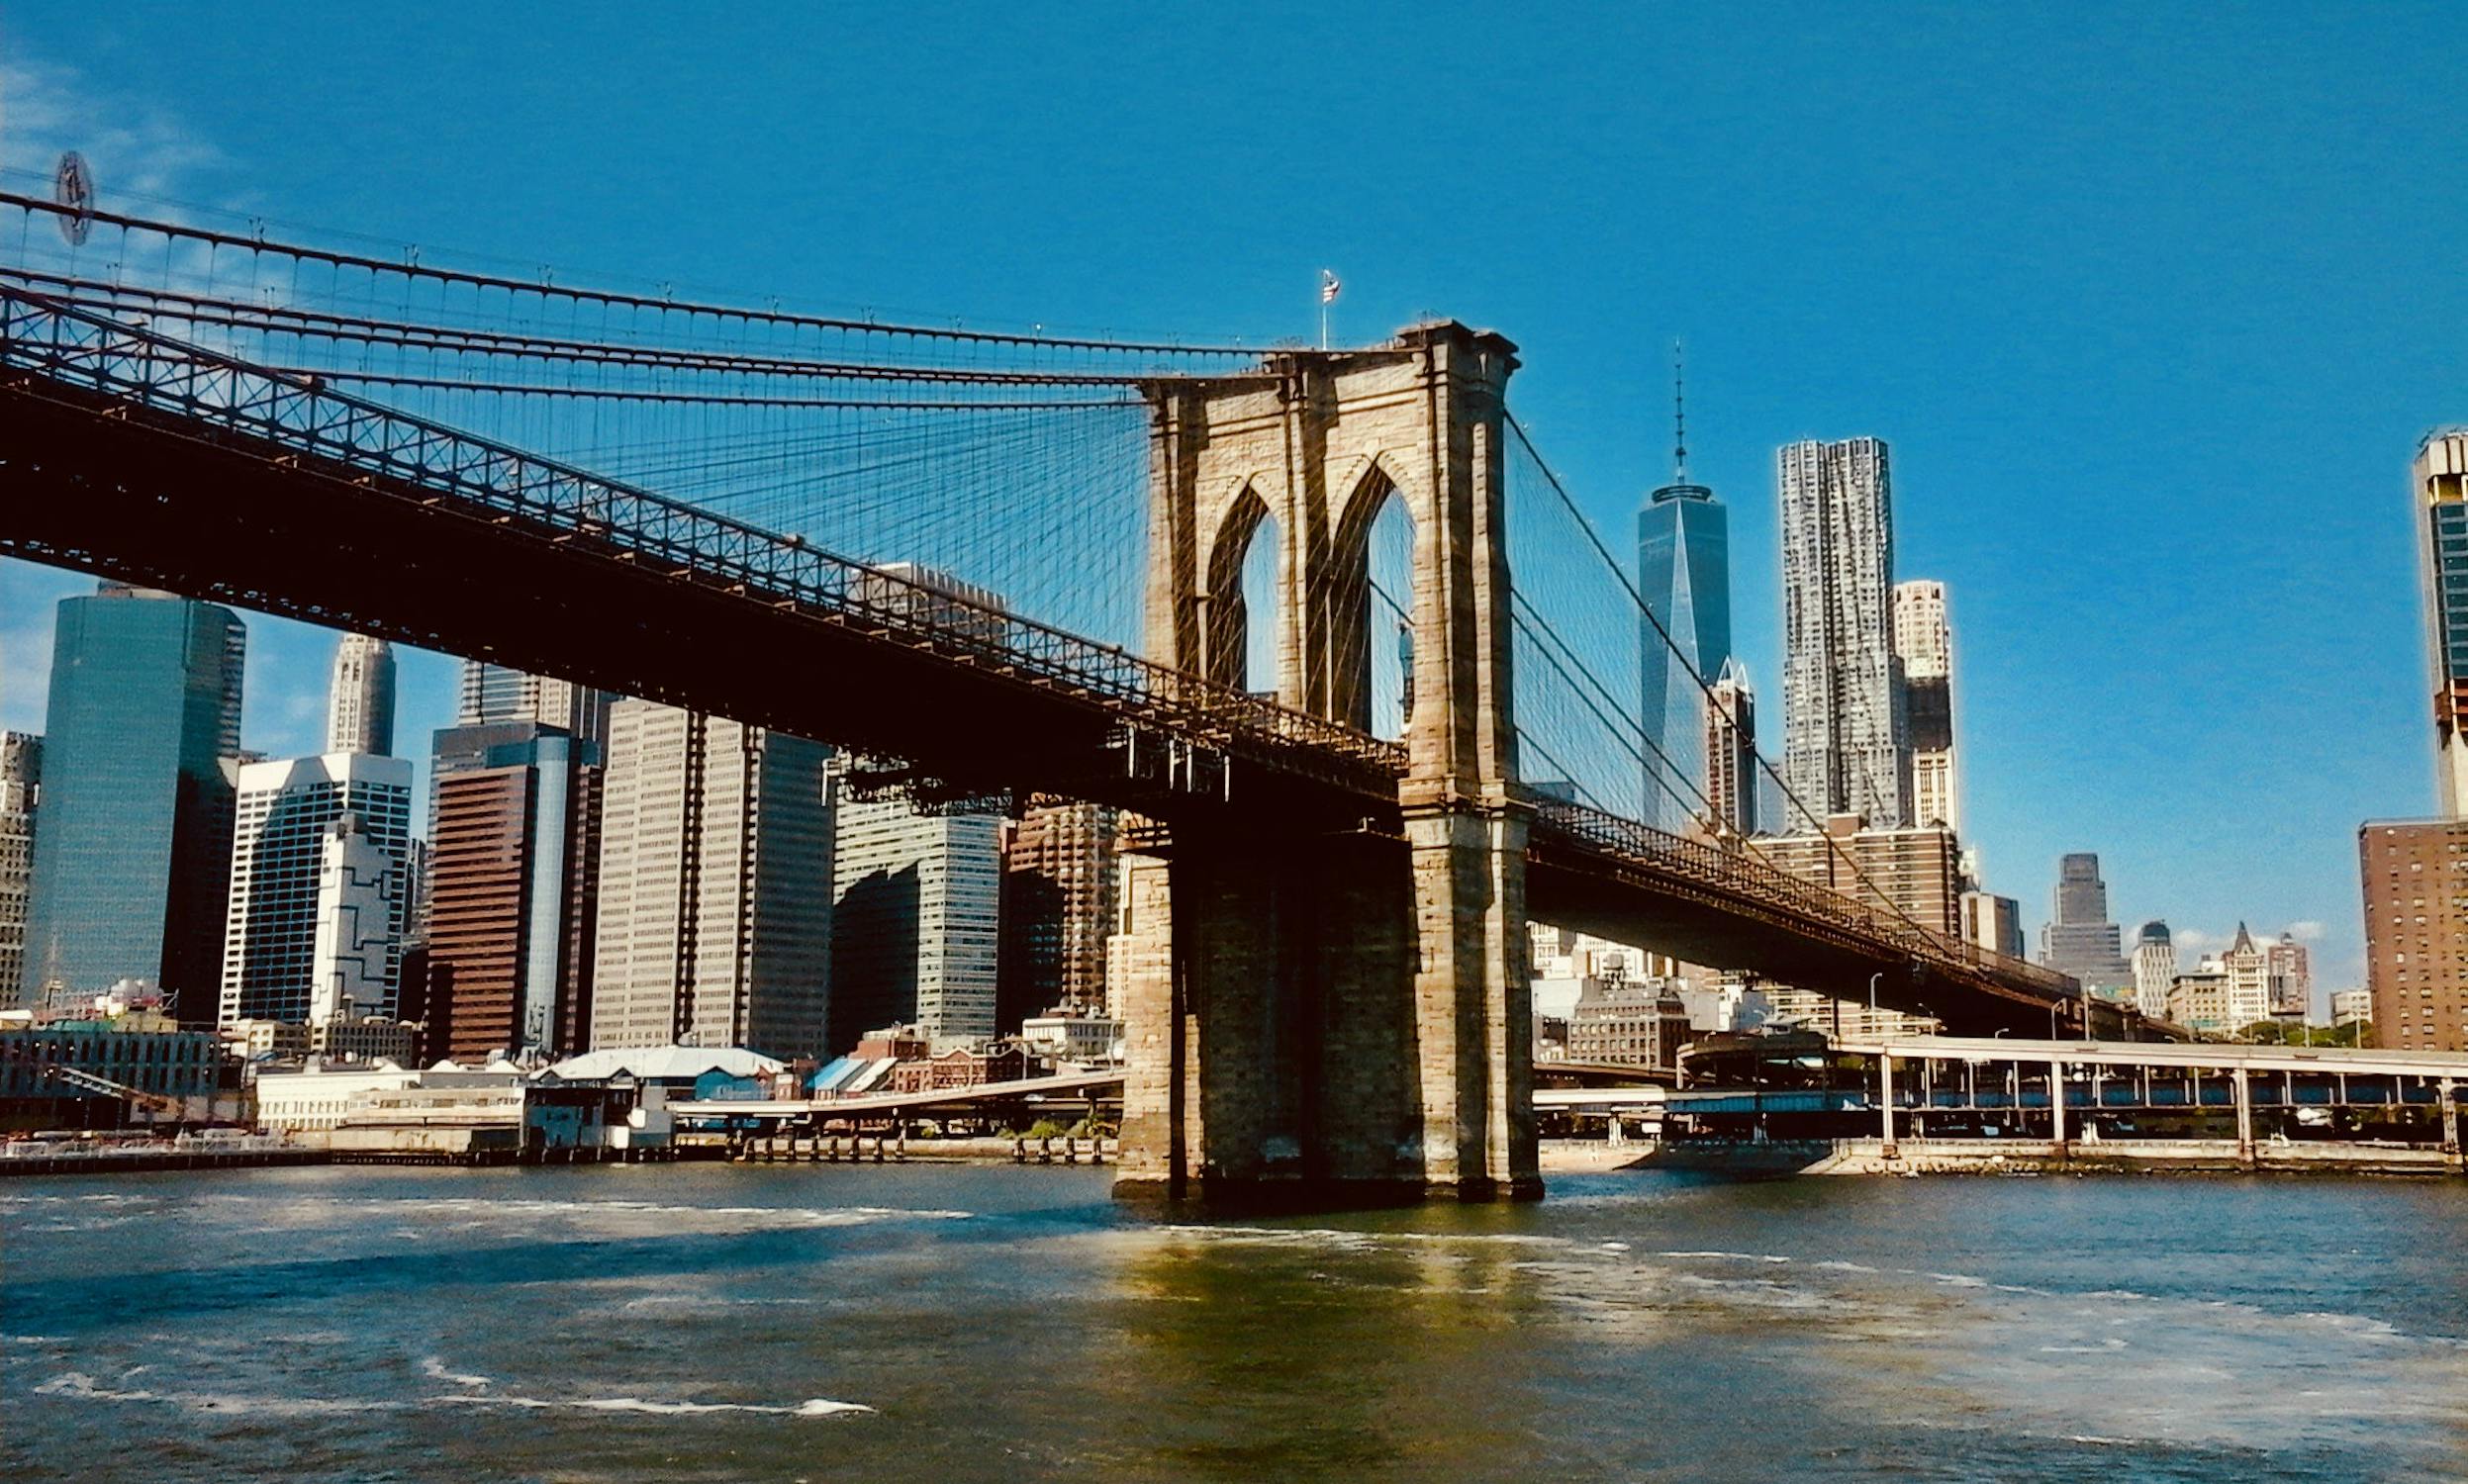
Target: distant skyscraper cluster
597,872
1870,798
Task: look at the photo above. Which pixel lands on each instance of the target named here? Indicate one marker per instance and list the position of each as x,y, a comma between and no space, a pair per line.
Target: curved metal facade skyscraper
1847,736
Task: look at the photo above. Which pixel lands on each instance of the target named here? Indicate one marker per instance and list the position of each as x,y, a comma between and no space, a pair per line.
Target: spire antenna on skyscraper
1679,417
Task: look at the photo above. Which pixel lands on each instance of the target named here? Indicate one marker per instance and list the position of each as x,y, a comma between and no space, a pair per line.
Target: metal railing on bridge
1739,873
296,416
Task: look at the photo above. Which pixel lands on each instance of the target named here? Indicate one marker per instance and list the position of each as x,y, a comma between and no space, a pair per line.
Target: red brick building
2415,874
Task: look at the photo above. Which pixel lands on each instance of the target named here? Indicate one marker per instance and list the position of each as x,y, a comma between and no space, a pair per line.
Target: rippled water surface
701,1322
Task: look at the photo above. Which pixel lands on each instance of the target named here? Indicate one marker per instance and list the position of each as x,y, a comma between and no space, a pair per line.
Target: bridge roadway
135,456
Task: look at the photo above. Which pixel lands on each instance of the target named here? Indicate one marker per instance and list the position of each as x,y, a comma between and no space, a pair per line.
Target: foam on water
81,1386
434,1368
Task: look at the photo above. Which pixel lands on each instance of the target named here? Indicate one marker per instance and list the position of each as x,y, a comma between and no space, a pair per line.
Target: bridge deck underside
90,484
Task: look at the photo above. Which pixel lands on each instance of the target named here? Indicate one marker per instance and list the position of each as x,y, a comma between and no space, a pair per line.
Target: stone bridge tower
1338,1013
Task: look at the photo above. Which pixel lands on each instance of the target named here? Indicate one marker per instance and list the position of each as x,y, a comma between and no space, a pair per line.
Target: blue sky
2152,301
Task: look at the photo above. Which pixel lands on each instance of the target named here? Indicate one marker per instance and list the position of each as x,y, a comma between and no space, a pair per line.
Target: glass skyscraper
133,860
1684,572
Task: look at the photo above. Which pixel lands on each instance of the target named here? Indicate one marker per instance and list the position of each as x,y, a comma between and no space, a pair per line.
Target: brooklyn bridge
1324,622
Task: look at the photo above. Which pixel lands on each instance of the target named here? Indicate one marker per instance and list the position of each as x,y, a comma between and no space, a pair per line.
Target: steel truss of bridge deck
1734,878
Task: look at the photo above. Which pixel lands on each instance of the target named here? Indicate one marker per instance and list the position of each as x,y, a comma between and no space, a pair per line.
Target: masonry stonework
1346,1010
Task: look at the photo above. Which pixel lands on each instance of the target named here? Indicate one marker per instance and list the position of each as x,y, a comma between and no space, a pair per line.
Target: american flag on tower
1328,287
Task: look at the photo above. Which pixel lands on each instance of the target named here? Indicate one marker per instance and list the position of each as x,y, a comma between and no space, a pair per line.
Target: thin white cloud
130,143
2306,930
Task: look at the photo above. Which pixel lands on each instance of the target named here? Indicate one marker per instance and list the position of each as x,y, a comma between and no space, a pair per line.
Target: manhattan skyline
2128,412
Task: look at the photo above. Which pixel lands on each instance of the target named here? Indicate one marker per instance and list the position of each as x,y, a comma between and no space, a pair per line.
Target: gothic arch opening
1243,627
1371,609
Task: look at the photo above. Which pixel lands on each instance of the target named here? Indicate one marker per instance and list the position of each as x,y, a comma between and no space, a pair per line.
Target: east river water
943,1322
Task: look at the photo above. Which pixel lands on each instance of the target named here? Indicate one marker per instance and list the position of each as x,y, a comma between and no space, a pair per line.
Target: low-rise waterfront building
1081,1040
253,1039
1628,1023
145,1055
2200,1000
482,1123
370,1039
960,1067
313,1097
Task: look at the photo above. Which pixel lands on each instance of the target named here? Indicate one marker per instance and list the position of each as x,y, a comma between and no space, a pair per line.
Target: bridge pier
1337,1010
1344,1024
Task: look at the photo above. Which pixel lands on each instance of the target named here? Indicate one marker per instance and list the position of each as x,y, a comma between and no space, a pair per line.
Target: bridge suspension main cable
1016,464
180,244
